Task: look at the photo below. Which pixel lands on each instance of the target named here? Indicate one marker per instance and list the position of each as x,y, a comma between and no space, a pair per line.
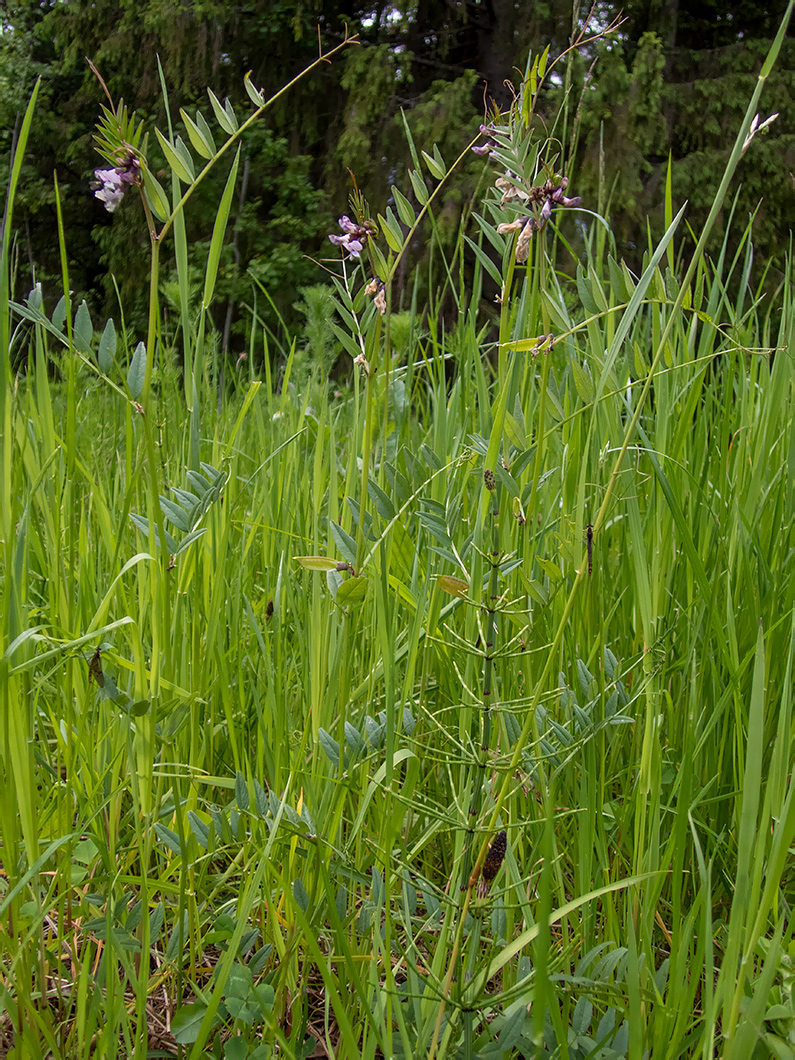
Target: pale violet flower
110,184
355,236
110,189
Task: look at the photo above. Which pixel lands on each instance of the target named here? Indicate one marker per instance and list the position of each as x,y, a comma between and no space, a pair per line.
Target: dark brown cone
494,859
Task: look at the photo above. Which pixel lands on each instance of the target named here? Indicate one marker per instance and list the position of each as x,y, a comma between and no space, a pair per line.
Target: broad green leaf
185,156
353,738
36,299
542,62
241,791
485,261
383,503
381,266
188,500
597,290
59,314
586,294
83,331
213,474
229,110
200,830
235,1048
174,160
205,130
260,798
137,371
404,208
515,433
582,382
143,525
300,895
346,546
391,232
254,94
617,281
199,482
352,591
549,568
436,170
228,125
329,745
186,1023
175,515
187,541
219,229
196,136
171,839
155,195
107,347
418,184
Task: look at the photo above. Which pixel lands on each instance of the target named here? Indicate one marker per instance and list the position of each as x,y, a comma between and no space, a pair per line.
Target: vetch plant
502,766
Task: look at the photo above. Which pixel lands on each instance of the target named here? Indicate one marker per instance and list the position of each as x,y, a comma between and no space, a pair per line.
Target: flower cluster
551,194
515,189
355,237
548,195
110,184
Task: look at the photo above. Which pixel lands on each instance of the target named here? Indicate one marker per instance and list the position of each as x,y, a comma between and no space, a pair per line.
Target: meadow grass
529,570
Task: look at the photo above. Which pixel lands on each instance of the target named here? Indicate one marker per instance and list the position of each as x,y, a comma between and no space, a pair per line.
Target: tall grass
349,638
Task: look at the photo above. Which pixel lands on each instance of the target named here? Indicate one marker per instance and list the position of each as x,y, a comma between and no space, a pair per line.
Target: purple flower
355,237
486,149
110,184
547,195
560,199
109,188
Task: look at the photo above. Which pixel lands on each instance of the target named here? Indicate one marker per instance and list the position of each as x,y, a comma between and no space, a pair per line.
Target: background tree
673,80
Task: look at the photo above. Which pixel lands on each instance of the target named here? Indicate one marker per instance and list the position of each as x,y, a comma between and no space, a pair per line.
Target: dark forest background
675,79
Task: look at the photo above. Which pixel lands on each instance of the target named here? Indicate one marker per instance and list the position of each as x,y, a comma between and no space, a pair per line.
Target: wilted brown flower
510,190
378,288
523,242
509,227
